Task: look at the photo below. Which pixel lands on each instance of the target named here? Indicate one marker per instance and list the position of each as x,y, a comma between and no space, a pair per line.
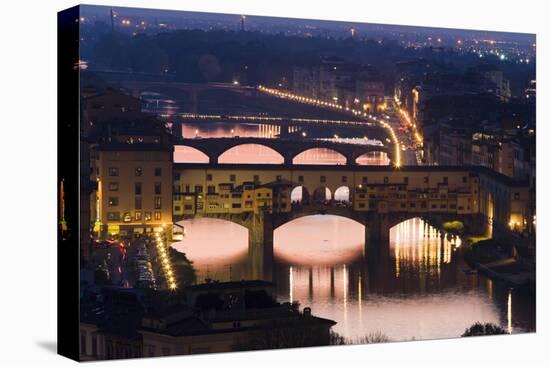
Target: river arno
419,291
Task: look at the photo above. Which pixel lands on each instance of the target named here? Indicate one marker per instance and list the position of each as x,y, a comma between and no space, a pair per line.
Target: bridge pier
377,234
260,246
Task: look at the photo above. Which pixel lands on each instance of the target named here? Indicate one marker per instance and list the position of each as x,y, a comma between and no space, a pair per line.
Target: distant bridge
286,148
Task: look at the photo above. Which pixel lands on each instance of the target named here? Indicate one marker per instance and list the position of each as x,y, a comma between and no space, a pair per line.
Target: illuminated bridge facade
263,197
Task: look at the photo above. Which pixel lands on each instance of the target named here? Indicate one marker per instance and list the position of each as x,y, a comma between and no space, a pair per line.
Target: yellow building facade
134,189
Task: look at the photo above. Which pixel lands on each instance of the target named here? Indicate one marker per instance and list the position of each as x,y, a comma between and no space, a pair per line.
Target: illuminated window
158,202
138,216
138,171
147,216
113,216
157,215
113,171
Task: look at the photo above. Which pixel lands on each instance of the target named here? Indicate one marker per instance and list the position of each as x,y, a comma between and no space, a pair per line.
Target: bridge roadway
287,148
380,196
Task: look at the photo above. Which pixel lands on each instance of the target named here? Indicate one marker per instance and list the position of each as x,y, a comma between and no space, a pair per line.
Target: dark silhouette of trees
479,329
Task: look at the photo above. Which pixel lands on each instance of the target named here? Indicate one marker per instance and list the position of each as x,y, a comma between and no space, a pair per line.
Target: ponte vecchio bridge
260,197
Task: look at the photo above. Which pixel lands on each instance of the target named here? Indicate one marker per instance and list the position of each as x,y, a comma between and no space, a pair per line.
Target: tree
479,329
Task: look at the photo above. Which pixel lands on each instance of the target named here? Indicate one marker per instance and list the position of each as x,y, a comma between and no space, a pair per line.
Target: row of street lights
334,105
162,251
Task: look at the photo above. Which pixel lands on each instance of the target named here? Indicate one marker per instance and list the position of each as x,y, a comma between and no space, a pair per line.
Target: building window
211,189
138,171
138,216
279,178
158,202
158,171
323,179
147,216
94,345
137,202
113,171
158,188
137,187
209,177
150,350
300,178
232,178
113,201
113,216
236,205
198,189
113,186
445,180
83,342
406,180
386,179
426,179
464,179
157,215
516,195
256,178
177,176
344,179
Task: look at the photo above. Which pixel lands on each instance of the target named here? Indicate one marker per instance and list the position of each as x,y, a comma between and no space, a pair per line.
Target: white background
28,176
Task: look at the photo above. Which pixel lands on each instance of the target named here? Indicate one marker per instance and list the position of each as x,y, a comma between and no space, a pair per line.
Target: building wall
118,175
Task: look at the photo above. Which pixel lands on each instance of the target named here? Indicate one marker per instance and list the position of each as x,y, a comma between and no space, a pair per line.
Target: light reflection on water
419,291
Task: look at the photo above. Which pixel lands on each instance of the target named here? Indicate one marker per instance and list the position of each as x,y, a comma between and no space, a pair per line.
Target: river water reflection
419,291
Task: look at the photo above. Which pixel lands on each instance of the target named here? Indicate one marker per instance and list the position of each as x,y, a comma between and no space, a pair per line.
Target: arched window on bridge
185,154
375,158
322,194
251,153
319,156
342,194
299,195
